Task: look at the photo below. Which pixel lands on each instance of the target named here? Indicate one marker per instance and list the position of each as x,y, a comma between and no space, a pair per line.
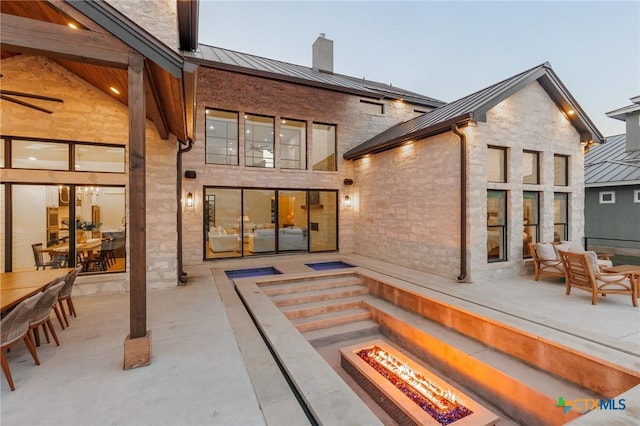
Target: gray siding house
612,187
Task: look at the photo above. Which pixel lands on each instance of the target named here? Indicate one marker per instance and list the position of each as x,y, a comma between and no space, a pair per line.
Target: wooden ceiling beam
154,112
44,38
74,14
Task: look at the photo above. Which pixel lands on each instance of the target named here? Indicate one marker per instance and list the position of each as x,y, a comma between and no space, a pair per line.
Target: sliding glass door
257,221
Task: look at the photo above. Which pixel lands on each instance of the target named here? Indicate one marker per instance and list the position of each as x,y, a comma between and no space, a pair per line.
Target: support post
137,346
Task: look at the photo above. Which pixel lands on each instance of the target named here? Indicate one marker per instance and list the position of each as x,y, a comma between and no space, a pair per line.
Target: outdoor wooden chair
582,272
544,263
15,327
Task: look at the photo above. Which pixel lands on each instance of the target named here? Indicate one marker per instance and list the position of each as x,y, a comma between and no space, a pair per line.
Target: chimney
323,54
633,127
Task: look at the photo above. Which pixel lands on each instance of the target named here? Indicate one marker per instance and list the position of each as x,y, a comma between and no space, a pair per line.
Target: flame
441,399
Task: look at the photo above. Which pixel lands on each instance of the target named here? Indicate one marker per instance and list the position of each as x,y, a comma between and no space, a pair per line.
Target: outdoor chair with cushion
583,272
41,313
547,261
15,327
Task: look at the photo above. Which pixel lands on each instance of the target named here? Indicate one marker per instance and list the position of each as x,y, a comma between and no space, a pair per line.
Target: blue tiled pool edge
325,266
251,272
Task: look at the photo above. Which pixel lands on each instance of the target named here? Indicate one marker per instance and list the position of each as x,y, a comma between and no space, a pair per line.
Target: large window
68,225
530,220
496,226
323,141
293,144
258,141
221,137
560,170
496,164
250,222
40,154
560,216
531,167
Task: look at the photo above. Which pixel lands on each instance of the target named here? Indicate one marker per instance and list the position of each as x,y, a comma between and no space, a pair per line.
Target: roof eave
425,133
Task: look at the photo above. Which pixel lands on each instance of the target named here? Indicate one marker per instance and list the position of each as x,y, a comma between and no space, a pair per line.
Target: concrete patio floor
199,374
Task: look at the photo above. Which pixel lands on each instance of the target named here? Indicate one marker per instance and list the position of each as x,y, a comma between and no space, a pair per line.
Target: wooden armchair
582,272
548,266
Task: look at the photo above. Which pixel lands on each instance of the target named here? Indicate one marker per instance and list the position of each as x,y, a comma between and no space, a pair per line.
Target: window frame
565,176
602,200
303,146
636,195
503,166
247,116
536,155
335,146
237,139
565,225
536,236
503,226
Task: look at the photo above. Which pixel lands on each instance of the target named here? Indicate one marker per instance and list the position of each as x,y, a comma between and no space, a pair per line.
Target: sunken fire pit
409,393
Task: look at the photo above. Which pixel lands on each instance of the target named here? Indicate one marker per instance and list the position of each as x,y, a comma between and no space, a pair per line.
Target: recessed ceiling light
72,25
32,158
114,90
571,112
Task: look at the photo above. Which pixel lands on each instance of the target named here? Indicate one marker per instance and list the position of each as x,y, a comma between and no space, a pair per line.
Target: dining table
17,286
60,252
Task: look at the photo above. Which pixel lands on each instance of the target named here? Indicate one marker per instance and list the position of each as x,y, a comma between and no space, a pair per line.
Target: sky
447,50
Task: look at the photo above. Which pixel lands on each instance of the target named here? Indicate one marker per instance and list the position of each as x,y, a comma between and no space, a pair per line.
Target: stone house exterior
396,201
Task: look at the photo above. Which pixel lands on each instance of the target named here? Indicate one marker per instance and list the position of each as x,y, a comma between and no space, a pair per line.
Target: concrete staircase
327,310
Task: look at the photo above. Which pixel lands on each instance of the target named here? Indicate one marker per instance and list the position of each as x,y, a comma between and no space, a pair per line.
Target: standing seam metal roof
610,162
475,106
211,56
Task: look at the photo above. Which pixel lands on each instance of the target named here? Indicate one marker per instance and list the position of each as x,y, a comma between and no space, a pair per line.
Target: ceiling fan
9,95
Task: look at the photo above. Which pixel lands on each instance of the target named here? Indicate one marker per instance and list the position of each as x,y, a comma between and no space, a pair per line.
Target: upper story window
369,107
221,137
26,153
607,197
560,170
636,196
496,164
323,153
293,144
258,141
531,167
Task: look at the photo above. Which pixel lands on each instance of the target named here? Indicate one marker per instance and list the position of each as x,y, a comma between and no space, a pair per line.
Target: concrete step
342,333
309,285
319,295
331,319
423,330
321,306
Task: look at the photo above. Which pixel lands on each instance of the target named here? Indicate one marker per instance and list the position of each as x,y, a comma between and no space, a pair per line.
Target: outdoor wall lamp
190,200
347,201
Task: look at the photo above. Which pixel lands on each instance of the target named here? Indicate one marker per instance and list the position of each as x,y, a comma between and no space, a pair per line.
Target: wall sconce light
348,182
347,201
190,200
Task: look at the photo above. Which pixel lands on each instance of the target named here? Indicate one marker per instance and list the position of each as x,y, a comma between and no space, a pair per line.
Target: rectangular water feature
251,272
324,266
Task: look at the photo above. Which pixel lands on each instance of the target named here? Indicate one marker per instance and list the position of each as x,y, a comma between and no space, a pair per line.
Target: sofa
221,240
292,238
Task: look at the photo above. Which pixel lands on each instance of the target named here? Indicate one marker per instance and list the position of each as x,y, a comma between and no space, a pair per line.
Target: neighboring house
612,187
271,157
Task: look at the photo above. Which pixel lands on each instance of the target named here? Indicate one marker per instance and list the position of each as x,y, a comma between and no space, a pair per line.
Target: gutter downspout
182,276
463,202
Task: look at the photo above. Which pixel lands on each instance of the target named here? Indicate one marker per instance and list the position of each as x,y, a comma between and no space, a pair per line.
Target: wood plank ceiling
164,107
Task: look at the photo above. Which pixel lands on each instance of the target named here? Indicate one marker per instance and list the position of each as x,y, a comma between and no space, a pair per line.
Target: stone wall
89,115
248,94
529,120
408,204
158,17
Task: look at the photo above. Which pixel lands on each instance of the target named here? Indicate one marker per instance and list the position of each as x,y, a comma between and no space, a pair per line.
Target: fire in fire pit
408,392
440,404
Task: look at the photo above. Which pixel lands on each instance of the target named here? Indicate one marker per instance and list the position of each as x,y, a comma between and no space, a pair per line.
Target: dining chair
15,327
39,257
41,313
65,294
